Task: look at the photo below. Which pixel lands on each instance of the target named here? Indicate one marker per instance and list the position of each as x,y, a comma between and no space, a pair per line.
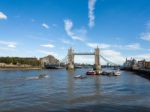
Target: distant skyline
36,28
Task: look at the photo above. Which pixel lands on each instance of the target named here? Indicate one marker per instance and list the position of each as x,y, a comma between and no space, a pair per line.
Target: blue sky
121,28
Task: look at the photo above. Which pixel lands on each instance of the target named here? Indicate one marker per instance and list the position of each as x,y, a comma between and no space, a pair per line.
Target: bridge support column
70,64
97,66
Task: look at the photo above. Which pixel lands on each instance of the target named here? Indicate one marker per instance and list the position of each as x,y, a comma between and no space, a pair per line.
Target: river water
20,91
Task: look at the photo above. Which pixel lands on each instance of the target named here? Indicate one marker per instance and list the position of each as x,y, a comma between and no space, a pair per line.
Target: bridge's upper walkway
84,53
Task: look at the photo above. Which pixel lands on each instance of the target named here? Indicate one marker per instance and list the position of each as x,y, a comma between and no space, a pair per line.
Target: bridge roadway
84,53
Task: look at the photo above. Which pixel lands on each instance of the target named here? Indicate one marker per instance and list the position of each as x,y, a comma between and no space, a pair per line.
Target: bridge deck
84,53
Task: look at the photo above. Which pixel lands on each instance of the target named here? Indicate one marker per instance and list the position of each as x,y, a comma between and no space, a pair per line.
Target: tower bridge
71,55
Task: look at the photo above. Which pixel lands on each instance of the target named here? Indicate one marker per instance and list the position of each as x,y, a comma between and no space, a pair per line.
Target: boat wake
41,76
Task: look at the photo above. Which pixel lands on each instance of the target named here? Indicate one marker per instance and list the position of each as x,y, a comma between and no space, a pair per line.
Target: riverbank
142,72
20,68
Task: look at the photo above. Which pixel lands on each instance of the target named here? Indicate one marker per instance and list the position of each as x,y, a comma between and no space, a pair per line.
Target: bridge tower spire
97,66
70,65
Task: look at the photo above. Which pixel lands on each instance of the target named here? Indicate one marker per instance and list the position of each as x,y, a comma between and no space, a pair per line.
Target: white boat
38,77
117,73
79,77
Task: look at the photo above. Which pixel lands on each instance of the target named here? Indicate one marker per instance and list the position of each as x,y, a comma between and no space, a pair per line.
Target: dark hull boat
51,67
91,73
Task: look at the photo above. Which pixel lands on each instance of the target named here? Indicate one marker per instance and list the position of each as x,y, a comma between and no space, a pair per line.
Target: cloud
145,36
45,25
84,59
68,24
2,16
66,42
48,53
110,52
102,46
8,44
48,45
12,46
134,46
91,7
113,56
142,56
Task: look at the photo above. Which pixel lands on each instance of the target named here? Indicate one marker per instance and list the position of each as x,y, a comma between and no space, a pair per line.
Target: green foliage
17,60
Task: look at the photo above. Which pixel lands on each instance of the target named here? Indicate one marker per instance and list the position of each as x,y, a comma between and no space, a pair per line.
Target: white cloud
91,7
134,46
48,53
45,25
81,31
142,56
113,56
8,44
12,46
110,53
145,36
48,45
3,16
84,59
66,41
102,46
68,24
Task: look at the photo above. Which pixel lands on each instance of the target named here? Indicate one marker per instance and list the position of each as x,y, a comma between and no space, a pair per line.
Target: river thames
20,91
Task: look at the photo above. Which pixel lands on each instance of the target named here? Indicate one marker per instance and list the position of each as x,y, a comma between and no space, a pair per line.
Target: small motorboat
91,72
37,77
42,76
79,77
117,73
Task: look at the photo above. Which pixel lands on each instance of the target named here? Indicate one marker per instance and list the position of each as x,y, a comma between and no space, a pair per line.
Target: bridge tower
70,65
97,66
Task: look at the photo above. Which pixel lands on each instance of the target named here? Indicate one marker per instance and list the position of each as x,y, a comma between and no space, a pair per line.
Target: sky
36,28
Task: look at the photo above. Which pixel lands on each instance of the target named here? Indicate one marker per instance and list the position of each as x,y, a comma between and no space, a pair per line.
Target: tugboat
91,72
